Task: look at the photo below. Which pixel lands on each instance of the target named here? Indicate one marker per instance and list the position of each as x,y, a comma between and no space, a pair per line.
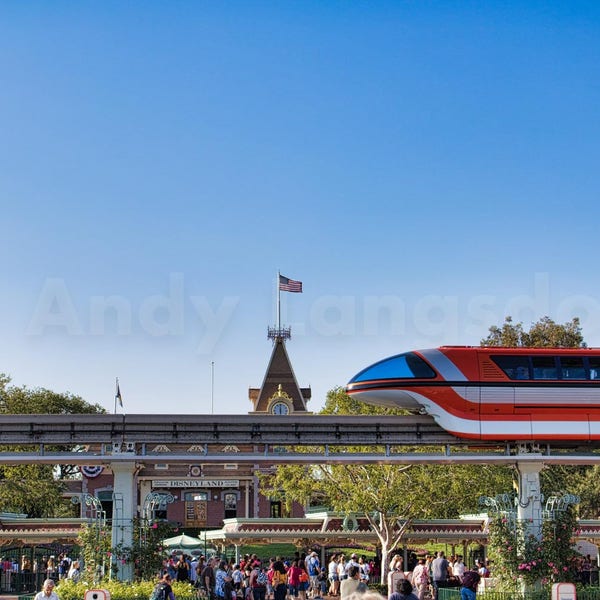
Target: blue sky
425,168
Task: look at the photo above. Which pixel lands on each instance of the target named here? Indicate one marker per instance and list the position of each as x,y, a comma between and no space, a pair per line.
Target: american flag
289,285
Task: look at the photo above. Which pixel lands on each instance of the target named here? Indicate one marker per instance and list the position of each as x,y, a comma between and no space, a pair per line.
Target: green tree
30,489
545,560
36,490
340,403
390,497
545,333
25,401
583,481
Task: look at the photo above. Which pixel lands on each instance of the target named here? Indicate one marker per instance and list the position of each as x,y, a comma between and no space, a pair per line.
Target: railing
583,593
21,583
454,594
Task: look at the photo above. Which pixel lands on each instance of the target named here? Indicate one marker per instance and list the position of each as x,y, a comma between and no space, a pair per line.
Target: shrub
519,557
120,590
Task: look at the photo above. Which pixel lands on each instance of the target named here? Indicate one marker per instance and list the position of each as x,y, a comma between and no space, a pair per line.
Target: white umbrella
183,541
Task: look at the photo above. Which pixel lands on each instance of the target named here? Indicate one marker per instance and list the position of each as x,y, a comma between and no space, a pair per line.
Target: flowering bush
146,554
521,557
95,541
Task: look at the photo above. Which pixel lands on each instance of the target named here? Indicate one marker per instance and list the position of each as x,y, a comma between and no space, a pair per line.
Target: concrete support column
529,496
124,510
247,499
255,494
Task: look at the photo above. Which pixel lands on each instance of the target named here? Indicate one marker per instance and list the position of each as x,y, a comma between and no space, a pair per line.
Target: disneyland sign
195,483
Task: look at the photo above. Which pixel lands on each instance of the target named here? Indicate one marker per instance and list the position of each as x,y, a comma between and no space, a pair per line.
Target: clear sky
424,168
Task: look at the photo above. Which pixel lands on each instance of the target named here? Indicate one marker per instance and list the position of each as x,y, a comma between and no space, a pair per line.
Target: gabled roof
280,380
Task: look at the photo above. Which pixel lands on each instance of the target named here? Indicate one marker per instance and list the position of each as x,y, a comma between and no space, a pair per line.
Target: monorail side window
572,367
544,367
403,366
515,367
594,364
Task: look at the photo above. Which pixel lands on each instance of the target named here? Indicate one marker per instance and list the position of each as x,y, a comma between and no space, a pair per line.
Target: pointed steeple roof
279,384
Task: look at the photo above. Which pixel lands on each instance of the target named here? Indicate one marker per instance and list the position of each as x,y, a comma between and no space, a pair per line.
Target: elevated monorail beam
270,456
222,429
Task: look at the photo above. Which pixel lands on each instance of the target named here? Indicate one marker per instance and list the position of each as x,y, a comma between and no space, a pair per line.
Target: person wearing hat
353,562
258,581
313,566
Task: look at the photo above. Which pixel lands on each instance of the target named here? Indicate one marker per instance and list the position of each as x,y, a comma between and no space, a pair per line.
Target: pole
212,387
278,302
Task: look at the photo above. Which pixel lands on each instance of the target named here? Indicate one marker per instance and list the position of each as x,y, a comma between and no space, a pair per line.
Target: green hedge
69,590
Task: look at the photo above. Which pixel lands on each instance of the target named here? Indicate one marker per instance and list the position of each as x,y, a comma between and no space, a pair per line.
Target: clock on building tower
280,402
280,408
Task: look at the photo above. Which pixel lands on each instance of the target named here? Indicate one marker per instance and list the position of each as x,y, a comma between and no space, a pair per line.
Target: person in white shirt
47,592
332,574
342,568
364,569
458,568
193,571
74,572
353,562
396,563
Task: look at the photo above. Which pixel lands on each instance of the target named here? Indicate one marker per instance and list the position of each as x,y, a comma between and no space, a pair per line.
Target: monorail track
306,430
260,439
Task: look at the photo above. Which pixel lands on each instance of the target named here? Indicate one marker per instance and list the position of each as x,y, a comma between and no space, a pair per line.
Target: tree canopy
25,401
545,333
389,496
36,489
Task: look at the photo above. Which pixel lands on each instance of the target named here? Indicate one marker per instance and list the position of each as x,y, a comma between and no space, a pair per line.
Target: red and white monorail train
492,393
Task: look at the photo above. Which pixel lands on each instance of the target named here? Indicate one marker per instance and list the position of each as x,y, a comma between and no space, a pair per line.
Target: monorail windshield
402,366
550,368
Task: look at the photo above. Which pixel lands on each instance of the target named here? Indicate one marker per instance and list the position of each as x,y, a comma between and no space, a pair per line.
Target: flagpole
212,387
278,301
116,392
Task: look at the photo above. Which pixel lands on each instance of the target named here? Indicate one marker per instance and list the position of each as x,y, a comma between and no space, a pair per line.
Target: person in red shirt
293,578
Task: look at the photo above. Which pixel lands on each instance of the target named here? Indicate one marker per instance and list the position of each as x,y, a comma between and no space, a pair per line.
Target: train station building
200,496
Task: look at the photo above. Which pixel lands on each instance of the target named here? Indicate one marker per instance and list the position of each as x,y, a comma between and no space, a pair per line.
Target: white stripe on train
443,365
474,428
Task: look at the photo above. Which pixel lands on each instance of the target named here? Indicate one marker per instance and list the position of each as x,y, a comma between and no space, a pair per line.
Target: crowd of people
54,567
304,577
434,572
